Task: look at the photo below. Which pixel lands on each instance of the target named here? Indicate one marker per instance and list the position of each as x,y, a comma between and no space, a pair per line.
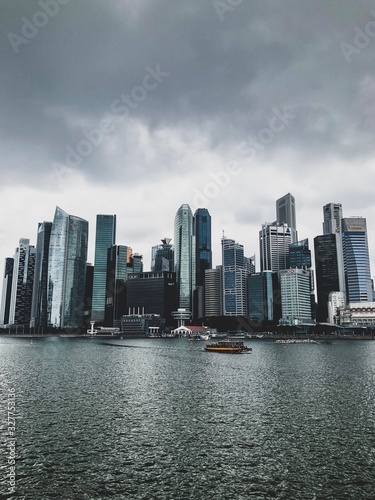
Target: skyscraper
332,215
356,259
234,278
274,240
295,296
117,275
162,258
6,291
286,214
213,292
183,228
22,284
202,244
39,314
66,270
263,299
105,237
329,270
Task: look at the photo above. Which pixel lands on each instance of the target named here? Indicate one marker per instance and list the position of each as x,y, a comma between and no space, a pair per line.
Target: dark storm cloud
226,74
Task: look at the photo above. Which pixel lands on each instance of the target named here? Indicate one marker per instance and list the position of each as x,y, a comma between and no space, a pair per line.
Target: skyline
183,103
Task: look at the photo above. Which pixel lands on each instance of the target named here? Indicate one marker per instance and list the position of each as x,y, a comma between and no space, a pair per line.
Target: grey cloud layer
225,77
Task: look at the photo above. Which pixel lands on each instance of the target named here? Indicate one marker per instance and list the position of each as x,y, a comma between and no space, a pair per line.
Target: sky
135,107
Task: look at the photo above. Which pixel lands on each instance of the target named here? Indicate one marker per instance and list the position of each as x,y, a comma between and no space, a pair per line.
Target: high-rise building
274,241
202,245
356,259
234,278
329,270
183,228
162,258
117,275
286,214
213,292
6,291
295,297
39,313
104,239
66,270
263,296
300,254
152,293
332,215
22,284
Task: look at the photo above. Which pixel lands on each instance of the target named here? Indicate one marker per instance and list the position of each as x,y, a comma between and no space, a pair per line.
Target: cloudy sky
134,107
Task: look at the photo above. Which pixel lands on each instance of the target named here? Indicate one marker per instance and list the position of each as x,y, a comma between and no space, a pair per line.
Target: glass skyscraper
234,278
22,284
162,258
263,300
202,245
329,270
66,270
104,239
39,314
7,291
183,228
356,259
274,241
117,275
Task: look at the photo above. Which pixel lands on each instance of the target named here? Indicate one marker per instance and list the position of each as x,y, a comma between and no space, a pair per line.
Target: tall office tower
135,264
274,240
183,228
202,244
39,314
66,270
104,239
332,215
329,270
234,279
7,291
286,214
356,259
89,283
300,254
117,275
162,256
213,292
22,284
295,296
152,293
249,264
263,296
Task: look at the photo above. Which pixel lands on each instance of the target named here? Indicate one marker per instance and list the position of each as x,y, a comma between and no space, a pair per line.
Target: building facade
332,215
162,256
213,292
329,270
286,214
183,230
66,270
6,291
105,238
274,241
356,259
39,312
234,279
295,297
263,297
22,283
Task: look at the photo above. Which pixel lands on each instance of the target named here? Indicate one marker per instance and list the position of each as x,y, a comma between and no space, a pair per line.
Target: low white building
357,314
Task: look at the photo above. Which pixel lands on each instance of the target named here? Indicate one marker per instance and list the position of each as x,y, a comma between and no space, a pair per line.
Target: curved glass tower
66,270
183,229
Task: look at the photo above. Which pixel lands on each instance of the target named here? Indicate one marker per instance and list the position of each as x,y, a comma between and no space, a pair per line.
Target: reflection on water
145,419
